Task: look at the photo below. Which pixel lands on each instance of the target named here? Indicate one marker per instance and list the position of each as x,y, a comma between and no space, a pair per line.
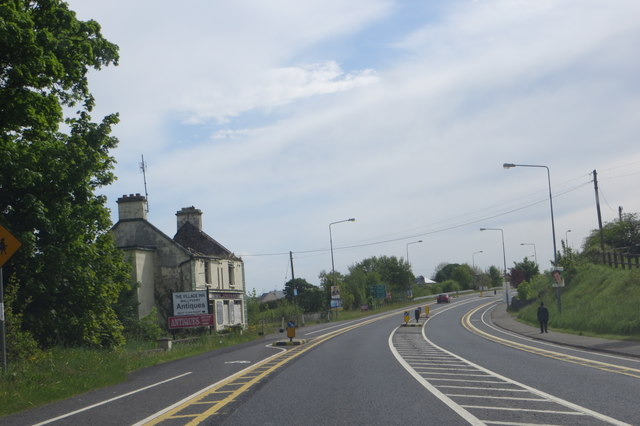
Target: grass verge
64,372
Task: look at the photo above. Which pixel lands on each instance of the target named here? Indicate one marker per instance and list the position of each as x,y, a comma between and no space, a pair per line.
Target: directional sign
8,245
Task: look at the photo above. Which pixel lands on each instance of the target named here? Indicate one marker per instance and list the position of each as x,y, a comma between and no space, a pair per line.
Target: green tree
69,271
309,297
623,235
395,273
523,271
463,274
356,284
253,306
496,276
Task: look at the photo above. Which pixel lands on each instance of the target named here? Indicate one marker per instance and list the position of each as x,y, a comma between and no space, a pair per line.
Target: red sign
190,321
218,295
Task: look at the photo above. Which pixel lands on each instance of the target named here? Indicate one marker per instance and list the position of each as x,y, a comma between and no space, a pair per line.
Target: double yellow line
241,382
466,323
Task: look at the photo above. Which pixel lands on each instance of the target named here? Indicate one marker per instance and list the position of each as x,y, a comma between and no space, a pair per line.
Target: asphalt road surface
454,368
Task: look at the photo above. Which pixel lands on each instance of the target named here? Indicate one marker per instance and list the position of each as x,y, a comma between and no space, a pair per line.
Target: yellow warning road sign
8,245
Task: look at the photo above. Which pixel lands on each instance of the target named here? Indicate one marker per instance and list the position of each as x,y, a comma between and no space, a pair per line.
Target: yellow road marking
604,366
277,361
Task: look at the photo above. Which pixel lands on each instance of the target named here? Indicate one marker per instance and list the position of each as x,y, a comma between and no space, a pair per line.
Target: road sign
190,303
190,321
8,245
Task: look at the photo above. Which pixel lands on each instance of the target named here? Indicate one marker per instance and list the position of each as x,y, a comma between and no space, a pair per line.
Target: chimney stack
132,207
191,215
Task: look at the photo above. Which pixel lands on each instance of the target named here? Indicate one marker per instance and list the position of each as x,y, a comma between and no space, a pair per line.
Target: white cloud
251,113
273,88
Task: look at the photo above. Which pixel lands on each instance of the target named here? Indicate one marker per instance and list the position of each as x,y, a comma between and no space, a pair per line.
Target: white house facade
191,260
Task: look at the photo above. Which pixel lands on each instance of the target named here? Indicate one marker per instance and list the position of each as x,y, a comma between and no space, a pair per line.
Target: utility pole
293,277
595,186
620,213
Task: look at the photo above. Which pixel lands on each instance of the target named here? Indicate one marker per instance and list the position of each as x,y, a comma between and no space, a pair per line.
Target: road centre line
110,400
604,366
373,317
171,411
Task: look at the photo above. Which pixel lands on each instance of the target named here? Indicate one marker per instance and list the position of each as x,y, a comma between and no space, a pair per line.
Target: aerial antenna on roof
143,169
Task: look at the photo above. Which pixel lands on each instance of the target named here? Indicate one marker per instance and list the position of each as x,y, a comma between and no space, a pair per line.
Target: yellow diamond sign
8,245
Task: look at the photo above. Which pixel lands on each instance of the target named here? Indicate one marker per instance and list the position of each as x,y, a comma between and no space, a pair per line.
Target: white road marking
193,395
110,400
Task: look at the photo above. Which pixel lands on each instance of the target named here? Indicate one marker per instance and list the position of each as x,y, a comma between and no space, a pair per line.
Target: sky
278,118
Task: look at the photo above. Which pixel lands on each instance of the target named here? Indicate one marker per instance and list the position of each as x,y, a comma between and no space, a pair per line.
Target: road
455,368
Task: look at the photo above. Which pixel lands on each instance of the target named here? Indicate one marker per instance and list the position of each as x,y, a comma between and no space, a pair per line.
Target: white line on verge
109,400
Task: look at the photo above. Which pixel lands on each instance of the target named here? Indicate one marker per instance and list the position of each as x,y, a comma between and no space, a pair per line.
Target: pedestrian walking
543,317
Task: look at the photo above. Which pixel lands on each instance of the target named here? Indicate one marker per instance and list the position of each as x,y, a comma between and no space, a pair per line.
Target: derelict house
191,260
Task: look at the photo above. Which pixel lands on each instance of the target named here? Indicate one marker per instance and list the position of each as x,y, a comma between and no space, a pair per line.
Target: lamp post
333,269
413,242
566,237
553,225
535,256
504,260
473,258
473,269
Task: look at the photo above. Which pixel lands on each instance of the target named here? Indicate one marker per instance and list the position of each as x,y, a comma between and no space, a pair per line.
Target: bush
20,345
146,328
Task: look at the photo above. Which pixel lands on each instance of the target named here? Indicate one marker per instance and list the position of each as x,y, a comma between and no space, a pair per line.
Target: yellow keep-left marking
604,366
277,362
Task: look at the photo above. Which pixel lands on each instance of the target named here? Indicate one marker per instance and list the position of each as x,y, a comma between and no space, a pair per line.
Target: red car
443,298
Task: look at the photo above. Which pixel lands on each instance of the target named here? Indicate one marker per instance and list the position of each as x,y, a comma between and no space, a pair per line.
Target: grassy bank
599,301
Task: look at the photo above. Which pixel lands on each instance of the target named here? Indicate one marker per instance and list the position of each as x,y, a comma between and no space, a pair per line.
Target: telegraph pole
293,276
595,186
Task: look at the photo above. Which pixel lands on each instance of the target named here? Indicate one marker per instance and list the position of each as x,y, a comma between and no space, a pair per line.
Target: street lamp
504,260
333,269
566,237
473,258
535,256
413,242
553,225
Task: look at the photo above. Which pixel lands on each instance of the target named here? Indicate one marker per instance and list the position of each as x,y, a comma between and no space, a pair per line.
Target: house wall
163,266
144,274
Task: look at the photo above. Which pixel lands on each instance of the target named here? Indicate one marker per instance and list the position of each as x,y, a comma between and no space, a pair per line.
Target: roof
271,296
191,237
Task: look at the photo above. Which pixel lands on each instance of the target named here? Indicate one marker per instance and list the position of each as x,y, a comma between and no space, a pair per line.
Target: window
232,281
207,272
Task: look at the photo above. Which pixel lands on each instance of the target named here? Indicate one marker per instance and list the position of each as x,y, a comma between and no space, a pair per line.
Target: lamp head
483,229
353,219
508,165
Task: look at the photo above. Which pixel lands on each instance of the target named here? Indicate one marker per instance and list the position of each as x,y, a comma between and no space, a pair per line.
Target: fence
621,260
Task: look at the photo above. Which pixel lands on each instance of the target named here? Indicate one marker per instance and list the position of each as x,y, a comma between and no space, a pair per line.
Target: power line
422,234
